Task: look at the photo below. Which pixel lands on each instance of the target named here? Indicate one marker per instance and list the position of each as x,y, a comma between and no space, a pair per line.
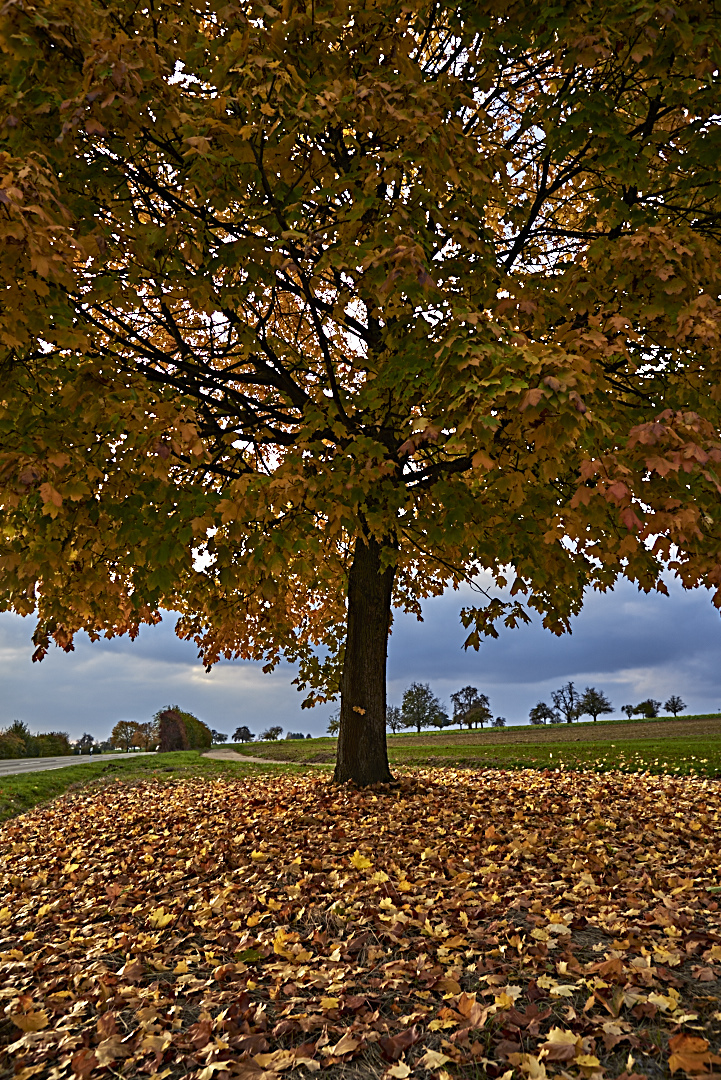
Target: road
12,766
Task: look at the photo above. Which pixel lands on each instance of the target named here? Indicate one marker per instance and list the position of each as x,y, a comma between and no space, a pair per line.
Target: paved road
233,755
12,766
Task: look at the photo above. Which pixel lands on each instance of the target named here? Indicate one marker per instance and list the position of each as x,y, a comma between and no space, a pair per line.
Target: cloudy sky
630,645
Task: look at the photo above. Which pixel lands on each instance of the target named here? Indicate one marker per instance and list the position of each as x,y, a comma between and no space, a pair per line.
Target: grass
22,792
688,746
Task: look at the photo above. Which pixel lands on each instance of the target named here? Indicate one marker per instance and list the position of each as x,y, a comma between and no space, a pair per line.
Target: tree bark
362,751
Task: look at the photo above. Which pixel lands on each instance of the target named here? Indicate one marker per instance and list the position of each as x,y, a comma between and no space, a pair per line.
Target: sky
625,643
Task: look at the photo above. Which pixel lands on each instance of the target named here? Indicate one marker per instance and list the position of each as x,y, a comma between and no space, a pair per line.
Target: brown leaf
393,1046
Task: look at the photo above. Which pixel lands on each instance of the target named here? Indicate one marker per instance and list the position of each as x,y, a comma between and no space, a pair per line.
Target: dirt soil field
588,732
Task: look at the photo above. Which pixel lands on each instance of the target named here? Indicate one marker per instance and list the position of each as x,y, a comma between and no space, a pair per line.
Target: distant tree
629,710
147,735
272,734
394,719
593,703
421,708
243,734
334,722
124,734
295,735
180,730
499,722
470,707
567,701
543,714
52,744
675,705
85,744
11,746
218,736
649,708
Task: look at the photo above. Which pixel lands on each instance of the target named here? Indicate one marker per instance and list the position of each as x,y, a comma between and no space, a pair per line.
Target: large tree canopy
310,312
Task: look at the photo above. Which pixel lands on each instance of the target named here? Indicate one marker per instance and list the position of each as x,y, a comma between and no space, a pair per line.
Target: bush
11,746
17,741
53,744
181,730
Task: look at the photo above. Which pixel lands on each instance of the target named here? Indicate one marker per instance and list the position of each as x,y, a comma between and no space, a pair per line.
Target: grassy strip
22,792
685,756
678,757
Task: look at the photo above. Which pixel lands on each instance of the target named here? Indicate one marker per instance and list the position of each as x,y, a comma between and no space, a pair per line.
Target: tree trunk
362,752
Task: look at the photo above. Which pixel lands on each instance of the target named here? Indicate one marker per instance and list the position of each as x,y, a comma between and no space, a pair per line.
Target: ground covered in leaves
521,924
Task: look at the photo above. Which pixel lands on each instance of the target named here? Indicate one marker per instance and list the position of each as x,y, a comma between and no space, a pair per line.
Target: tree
147,735
353,333
674,705
124,734
218,736
421,708
394,719
567,701
543,714
243,734
334,723
499,722
85,744
594,703
272,734
629,710
470,707
648,708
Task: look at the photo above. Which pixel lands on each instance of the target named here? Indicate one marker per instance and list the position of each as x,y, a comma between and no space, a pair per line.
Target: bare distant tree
394,719
567,701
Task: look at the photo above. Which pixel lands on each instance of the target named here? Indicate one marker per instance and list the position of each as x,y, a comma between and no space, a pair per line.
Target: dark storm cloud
627,644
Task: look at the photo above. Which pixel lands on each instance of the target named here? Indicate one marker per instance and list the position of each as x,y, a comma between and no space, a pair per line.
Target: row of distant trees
272,734
421,708
568,704
17,741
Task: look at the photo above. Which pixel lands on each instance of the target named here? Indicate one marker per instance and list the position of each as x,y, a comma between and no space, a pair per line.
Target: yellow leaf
5,916
360,861
111,1049
278,1061
432,1059
159,918
181,968
32,1021
346,1045
328,1003
559,1037
399,1071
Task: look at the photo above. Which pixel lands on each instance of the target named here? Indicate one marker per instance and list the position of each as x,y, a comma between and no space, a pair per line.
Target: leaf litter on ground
522,924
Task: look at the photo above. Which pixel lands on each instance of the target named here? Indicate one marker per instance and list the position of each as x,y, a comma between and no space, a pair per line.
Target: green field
686,746
21,792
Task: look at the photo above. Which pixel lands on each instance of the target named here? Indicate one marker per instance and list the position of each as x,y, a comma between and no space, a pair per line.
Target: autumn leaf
285,342
361,862
32,1021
